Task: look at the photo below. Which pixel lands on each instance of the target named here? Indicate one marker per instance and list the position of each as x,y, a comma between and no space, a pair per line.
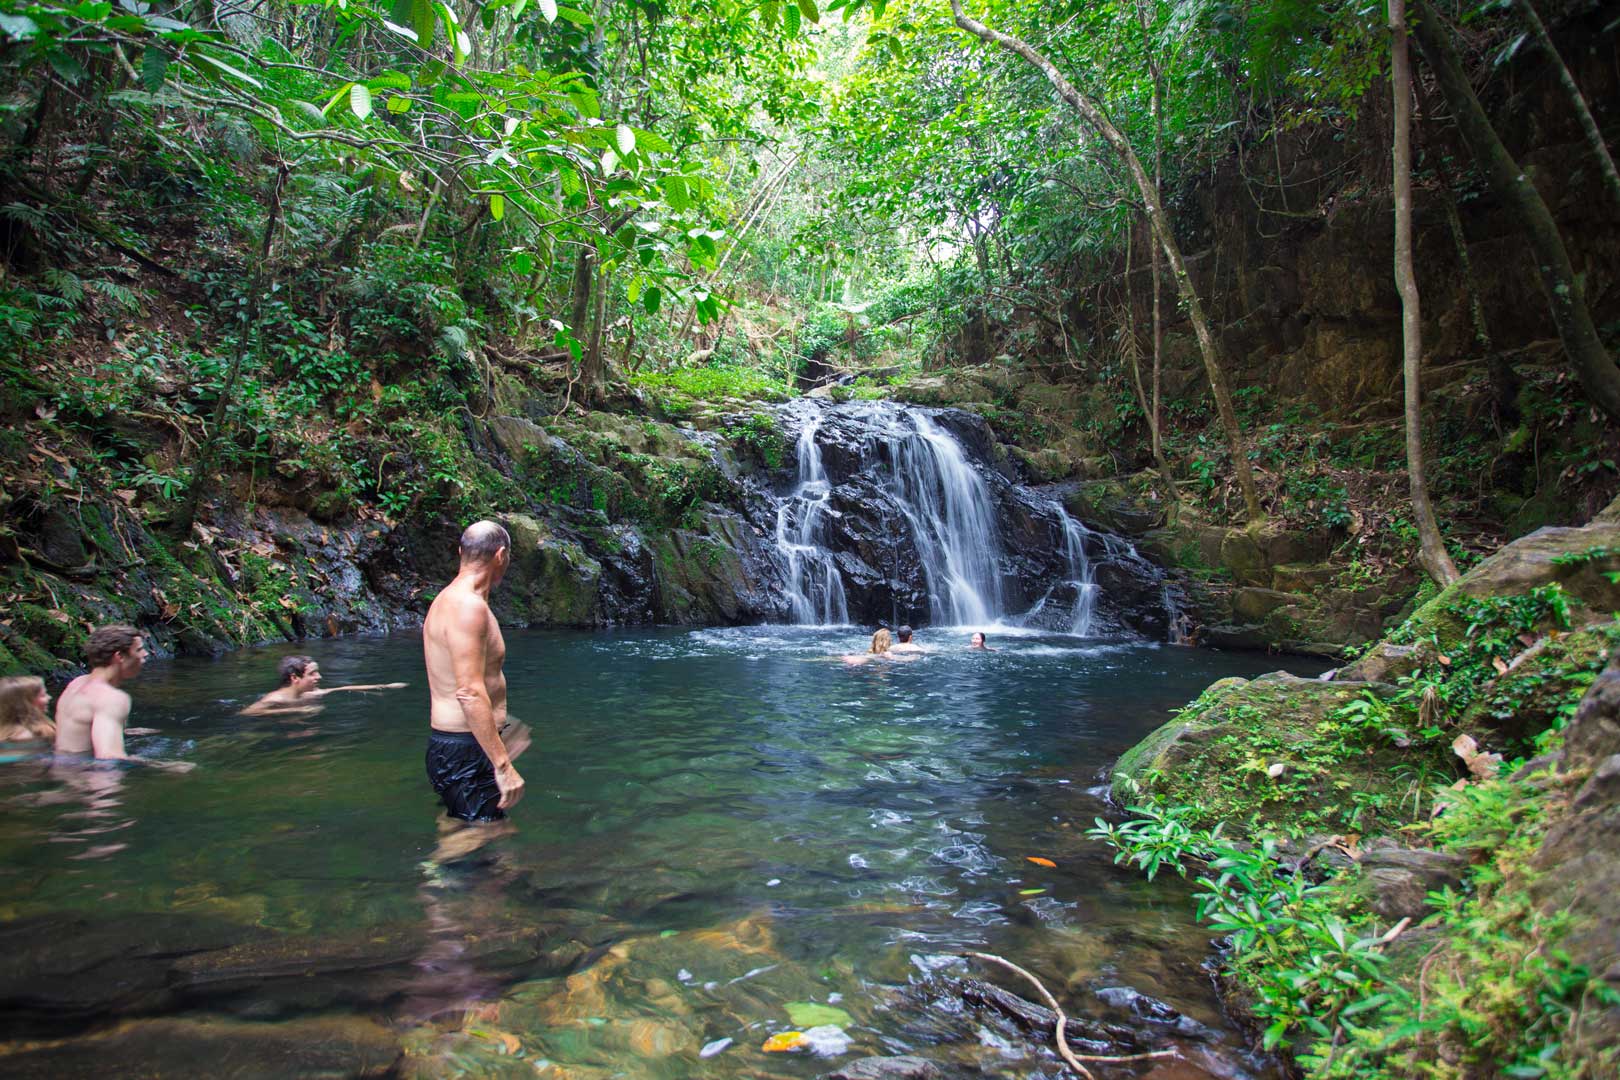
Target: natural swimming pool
720,824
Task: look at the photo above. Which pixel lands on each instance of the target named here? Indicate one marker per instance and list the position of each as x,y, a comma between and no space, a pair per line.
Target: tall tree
1565,294
1097,120
1432,549
1577,100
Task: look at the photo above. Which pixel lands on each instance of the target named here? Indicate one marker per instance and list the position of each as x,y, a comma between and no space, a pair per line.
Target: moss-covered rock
552,581
1278,749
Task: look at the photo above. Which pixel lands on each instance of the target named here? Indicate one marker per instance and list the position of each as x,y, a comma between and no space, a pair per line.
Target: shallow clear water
700,804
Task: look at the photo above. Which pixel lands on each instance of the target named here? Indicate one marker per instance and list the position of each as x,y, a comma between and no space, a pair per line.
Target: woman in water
881,642
23,699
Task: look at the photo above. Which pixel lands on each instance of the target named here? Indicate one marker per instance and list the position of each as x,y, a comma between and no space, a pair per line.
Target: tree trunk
208,454
580,301
1207,346
1577,100
1432,549
593,368
1503,379
1567,299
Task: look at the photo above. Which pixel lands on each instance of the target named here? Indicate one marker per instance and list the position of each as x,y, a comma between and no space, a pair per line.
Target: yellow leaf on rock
783,1040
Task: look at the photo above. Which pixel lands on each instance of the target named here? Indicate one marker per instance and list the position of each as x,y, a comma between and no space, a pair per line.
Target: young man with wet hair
468,762
300,688
93,710
905,644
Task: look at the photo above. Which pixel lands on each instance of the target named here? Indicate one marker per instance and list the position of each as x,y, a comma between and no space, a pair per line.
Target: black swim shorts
463,777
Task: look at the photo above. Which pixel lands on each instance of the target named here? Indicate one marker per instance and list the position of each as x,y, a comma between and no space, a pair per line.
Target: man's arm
107,725
368,686
468,638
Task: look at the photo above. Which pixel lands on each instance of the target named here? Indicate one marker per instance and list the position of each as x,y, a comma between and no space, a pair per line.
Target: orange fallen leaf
784,1040
1038,861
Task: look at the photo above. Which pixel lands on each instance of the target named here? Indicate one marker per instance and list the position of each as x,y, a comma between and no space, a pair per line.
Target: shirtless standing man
92,711
467,762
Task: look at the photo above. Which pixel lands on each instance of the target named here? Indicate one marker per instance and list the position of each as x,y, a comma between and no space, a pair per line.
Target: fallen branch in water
1069,1056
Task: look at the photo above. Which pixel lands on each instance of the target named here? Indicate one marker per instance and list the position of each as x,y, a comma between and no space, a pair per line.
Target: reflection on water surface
720,824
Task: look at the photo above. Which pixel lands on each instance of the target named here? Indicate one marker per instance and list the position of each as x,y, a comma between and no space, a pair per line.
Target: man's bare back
468,762
90,718
443,632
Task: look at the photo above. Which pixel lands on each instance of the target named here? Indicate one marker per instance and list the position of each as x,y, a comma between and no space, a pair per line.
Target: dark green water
700,805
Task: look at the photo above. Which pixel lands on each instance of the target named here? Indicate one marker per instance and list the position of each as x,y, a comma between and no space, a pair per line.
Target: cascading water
948,507
1081,576
815,589
892,515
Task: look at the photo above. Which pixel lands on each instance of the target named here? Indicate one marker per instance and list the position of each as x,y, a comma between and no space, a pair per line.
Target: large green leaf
218,66
419,17
154,66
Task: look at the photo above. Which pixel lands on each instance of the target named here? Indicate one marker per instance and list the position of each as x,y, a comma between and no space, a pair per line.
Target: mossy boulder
1541,687
702,574
1277,749
1578,862
1577,560
552,581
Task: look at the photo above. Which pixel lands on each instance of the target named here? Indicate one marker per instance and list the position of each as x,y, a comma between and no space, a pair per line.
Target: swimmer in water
905,644
94,708
23,699
882,649
300,689
977,642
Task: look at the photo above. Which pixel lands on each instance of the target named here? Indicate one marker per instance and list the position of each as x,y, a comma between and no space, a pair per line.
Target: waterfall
815,589
1080,573
923,527
947,504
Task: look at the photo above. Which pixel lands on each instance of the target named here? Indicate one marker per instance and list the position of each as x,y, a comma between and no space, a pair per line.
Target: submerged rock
904,1067
317,1047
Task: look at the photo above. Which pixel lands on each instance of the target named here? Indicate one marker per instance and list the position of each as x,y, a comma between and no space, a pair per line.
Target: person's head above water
977,640
119,647
881,641
486,544
22,707
904,633
300,670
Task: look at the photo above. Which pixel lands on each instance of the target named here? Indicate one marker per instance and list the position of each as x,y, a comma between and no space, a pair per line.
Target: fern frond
32,216
126,298
64,283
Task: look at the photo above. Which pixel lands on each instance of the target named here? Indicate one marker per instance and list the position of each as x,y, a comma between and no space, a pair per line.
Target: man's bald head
482,541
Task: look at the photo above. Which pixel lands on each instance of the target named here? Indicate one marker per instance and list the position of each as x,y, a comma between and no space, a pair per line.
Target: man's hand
510,785
515,735
394,686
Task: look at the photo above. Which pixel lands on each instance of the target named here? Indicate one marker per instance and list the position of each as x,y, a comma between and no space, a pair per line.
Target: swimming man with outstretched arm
467,762
300,688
